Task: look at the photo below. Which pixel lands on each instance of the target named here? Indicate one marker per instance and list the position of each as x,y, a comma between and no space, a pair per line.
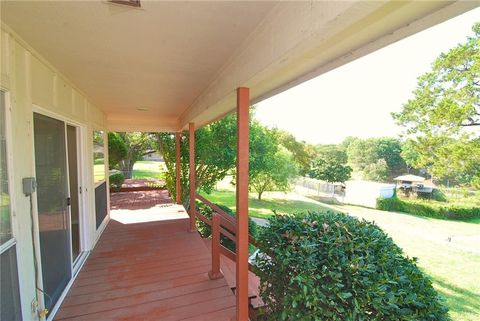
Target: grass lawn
99,172
448,251
6,229
148,169
462,197
278,201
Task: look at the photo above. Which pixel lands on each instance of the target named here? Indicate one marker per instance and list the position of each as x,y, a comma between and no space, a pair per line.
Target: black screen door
52,194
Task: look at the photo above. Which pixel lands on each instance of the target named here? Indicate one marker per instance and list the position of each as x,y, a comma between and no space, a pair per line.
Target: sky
357,99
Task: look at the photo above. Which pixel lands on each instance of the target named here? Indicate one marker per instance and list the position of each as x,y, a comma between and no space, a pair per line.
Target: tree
138,145
302,153
377,171
263,147
332,152
390,149
444,116
215,153
270,166
331,164
165,143
330,171
476,182
117,149
361,153
275,174
364,156
410,154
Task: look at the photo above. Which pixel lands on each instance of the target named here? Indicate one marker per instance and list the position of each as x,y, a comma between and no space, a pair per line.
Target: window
9,291
10,309
5,223
99,176
98,156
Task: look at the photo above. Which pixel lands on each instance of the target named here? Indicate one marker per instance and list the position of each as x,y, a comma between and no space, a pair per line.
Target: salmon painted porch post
215,272
178,168
243,105
191,154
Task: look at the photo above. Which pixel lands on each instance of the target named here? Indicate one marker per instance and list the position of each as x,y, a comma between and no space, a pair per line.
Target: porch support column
178,169
191,153
242,202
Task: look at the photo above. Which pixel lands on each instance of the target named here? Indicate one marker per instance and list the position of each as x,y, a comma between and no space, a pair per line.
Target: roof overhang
182,61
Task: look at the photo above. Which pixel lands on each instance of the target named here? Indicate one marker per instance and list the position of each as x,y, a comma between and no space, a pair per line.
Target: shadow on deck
147,266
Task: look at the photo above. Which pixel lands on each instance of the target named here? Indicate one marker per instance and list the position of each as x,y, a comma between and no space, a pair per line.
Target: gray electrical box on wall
29,185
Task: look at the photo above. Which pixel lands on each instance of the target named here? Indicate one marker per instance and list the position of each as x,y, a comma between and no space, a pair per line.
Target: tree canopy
330,171
215,153
442,120
271,166
330,164
117,149
138,145
302,153
376,158
126,149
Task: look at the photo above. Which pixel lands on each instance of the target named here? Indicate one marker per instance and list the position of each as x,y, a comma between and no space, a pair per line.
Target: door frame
84,222
101,228
80,192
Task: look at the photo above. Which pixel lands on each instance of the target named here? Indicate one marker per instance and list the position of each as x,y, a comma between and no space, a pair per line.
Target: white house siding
30,80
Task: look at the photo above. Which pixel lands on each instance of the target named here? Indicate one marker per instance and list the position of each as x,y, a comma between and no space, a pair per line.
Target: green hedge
116,180
419,208
205,230
333,267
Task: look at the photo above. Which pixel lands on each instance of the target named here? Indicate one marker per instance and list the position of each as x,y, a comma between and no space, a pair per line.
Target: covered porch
151,263
148,266
161,67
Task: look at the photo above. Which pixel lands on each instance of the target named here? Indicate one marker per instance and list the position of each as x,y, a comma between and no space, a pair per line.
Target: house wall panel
30,80
4,55
95,116
42,82
63,97
22,147
78,106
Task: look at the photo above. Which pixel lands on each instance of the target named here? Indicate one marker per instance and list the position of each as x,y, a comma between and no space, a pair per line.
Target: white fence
319,189
363,193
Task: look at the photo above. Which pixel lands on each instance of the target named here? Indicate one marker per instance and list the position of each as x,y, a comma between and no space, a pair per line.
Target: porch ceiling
160,56
183,60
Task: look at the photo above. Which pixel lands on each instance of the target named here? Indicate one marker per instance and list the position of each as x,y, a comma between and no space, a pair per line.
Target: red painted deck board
148,271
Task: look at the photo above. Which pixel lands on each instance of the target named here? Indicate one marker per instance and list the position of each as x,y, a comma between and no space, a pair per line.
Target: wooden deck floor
148,271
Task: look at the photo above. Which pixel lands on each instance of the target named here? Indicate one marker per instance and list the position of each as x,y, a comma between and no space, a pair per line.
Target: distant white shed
366,193
412,183
408,180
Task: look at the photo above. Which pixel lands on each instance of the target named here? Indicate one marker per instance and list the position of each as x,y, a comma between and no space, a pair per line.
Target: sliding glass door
52,204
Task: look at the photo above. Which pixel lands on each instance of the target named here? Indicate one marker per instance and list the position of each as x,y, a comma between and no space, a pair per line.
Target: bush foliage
116,181
420,208
205,230
329,266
